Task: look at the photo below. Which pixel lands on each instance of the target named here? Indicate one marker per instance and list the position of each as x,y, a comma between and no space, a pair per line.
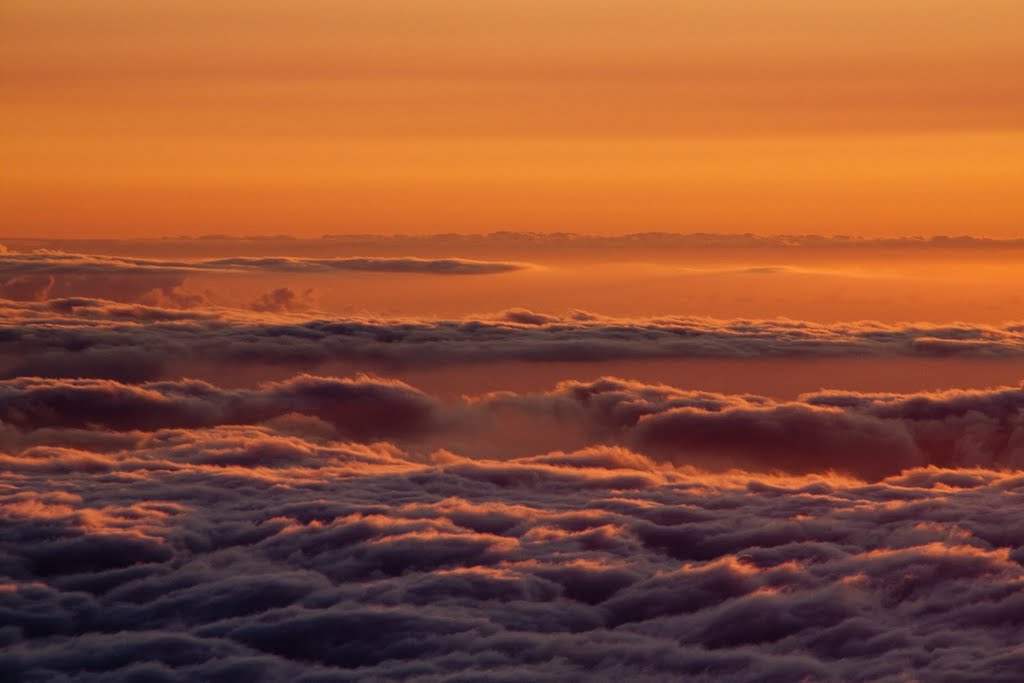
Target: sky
611,116
511,340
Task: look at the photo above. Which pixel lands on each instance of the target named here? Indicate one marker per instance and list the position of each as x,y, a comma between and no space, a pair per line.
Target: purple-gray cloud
239,552
361,408
867,435
331,529
91,337
43,275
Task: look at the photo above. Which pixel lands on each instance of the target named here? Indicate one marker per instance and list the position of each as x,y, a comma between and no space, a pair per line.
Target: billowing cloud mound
242,553
870,435
867,435
84,337
362,408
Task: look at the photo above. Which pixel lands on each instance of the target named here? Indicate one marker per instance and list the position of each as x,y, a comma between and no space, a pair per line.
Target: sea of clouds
317,528
241,552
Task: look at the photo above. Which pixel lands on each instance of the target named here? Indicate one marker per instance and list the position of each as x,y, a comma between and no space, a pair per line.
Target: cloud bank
97,338
56,263
44,274
870,436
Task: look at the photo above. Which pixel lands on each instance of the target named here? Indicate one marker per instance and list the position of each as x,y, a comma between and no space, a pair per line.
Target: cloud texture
97,338
230,552
317,528
866,435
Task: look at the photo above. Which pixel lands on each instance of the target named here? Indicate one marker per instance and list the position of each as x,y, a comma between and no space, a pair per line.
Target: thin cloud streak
55,263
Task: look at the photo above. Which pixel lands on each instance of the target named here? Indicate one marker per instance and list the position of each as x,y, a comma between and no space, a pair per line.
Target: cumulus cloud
362,408
868,435
284,300
239,552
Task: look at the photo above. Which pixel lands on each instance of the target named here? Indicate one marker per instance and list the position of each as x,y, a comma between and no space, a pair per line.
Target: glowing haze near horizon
511,340
866,117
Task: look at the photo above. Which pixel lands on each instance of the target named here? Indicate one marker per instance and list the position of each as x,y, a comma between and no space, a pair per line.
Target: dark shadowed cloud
239,552
868,435
92,337
363,408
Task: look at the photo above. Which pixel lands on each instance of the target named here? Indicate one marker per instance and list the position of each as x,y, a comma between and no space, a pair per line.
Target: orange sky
187,117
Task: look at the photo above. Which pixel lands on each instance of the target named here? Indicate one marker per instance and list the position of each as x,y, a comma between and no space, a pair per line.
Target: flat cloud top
48,262
245,551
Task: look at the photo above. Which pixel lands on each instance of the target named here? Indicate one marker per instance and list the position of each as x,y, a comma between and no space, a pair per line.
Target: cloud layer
866,435
96,338
43,275
57,263
318,528
241,552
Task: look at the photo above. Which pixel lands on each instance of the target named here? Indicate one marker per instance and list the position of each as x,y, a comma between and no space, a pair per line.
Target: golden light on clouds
511,339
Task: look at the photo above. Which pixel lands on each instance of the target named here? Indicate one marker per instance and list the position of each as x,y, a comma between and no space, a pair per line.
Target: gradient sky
188,117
